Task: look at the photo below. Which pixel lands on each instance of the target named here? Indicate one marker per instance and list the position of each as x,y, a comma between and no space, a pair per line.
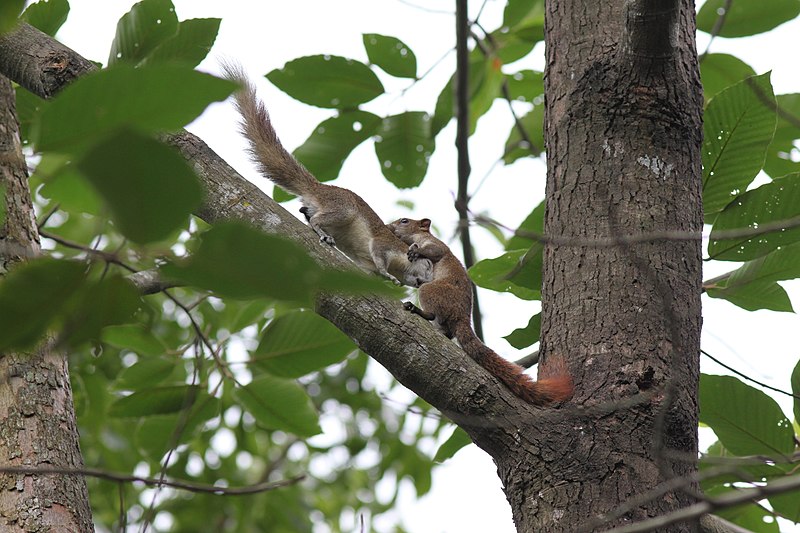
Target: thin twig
748,378
174,483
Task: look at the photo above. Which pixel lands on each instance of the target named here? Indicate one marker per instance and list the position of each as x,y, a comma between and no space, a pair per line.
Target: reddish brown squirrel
447,300
339,216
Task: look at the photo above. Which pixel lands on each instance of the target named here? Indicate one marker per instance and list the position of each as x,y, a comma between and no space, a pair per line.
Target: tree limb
413,351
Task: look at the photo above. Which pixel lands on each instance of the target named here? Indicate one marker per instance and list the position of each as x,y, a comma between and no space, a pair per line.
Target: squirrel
339,216
447,300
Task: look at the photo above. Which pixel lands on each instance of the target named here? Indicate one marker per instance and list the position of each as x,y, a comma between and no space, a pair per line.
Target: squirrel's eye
404,221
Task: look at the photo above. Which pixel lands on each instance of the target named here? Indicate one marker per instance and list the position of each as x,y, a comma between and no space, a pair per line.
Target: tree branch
412,350
462,146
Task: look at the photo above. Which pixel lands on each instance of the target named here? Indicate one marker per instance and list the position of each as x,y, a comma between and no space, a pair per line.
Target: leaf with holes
327,81
391,54
404,146
142,29
738,127
747,421
775,203
189,46
332,141
746,18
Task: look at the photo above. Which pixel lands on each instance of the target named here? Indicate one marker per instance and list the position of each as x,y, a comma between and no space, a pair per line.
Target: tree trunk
623,134
37,418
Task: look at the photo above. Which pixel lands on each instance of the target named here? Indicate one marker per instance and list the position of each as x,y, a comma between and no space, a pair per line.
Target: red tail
557,387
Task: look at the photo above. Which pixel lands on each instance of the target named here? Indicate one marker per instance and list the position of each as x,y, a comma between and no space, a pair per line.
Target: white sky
263,35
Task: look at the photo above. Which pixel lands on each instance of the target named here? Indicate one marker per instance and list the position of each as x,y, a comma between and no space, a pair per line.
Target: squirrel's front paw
413,252
327,239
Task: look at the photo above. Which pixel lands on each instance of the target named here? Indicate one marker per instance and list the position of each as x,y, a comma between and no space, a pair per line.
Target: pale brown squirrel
447,300
339,216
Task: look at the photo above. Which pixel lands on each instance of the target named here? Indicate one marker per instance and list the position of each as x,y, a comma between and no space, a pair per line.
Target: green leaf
787,505
508,46
279,404
782,151
142,29
391,54
327,81
154,98
526,86
331,142
445,104
47,15
781,264
9,14
154,434
146,372
756,295
404,146
238,261
533,223
455,442
484,95
135,338
71,191
32,296
110,300
516,147
747,421
720,71
526,18
155,401
771,203
28,107
746,18
527,336
738,127
796,390
494,274
301,342
189,46
149,187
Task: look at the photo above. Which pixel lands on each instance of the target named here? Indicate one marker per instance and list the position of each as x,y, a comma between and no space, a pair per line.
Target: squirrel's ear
425,224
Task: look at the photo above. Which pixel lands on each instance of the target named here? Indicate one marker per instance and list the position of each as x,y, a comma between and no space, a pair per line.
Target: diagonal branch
412,350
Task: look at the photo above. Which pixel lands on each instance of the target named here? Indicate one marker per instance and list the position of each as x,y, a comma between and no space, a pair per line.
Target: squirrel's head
407,227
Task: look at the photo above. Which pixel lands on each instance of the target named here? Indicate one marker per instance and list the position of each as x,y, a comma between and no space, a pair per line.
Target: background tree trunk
623,134
37,417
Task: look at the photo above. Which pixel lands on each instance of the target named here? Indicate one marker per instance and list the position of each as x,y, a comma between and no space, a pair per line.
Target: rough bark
37,418
623,136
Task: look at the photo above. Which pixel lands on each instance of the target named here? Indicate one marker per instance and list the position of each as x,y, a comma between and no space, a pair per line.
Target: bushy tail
555,388
266,149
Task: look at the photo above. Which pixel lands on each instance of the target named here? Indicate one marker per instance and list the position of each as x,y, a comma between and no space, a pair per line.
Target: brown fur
447,299
339,216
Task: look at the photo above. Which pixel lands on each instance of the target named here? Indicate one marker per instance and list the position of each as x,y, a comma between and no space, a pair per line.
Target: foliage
231,379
